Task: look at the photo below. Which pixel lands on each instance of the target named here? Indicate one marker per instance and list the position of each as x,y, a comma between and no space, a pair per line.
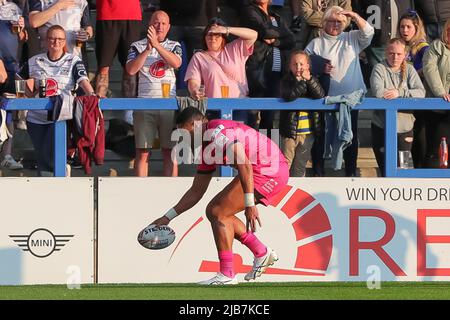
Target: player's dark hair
189,114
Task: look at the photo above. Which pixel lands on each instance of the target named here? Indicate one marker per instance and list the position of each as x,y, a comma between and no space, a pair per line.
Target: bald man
155,58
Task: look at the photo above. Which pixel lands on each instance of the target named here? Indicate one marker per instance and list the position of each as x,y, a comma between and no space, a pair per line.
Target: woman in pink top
221,63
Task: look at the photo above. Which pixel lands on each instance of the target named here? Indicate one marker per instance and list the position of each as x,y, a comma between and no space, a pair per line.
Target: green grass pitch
247,291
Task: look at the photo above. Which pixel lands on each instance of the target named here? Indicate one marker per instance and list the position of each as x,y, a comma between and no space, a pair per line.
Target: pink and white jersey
270,168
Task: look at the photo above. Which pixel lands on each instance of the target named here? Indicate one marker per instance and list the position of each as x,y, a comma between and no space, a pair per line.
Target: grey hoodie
382,79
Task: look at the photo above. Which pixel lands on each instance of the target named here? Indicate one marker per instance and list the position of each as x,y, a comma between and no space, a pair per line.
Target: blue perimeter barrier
227,106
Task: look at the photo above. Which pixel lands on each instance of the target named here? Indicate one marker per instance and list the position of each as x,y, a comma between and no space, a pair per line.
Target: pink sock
226,263
249,240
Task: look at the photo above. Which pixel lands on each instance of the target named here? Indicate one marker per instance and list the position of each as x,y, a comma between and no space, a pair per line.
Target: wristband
249,199
228,31
171,214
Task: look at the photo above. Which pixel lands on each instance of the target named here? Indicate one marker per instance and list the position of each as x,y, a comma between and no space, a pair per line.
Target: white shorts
153,123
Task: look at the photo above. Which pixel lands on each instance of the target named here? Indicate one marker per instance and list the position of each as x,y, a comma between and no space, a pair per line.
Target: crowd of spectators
335,48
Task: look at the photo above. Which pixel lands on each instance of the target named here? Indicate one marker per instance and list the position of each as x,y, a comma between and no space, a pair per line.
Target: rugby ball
156,237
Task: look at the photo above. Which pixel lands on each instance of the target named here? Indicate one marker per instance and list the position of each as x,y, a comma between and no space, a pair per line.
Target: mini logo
41,242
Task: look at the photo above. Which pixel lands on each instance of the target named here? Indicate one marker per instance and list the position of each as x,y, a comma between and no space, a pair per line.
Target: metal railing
227,106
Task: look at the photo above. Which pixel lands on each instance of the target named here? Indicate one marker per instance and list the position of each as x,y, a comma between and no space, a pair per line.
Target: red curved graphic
315,221
184,235
314,255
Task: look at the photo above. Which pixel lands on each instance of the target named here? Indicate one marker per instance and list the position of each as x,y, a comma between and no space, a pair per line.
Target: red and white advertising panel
323,229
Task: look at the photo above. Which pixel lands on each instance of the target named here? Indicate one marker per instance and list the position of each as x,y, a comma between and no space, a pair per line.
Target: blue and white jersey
9,11
155,68
62,76
71,19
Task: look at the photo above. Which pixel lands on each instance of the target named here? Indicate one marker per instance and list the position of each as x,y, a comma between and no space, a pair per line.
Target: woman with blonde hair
391,79
436,70
412,30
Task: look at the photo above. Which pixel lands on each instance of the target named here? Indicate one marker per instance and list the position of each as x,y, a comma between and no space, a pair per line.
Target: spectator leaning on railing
436,69
391,79
342,49
63,71
298,128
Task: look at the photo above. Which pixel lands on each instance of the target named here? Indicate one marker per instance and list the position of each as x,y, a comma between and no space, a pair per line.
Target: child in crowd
297,127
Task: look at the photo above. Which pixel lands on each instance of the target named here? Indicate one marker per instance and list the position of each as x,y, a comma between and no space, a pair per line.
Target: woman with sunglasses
220,63
60,72
411,29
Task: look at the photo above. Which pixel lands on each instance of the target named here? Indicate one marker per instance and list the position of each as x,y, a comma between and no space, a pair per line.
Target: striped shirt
66,72
303,123
276,65
155,68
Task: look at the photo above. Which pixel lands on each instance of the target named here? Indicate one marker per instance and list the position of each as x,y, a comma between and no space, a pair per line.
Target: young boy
297,127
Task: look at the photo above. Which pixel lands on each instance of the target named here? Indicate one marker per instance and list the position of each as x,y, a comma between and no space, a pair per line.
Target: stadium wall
46,231
323,229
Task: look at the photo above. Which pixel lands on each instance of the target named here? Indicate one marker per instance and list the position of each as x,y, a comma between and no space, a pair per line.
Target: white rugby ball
156,237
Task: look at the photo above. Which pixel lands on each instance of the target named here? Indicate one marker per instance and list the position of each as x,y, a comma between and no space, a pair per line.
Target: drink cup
225,91
81,37
405,160
20,88
165,88
201,90
15,27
